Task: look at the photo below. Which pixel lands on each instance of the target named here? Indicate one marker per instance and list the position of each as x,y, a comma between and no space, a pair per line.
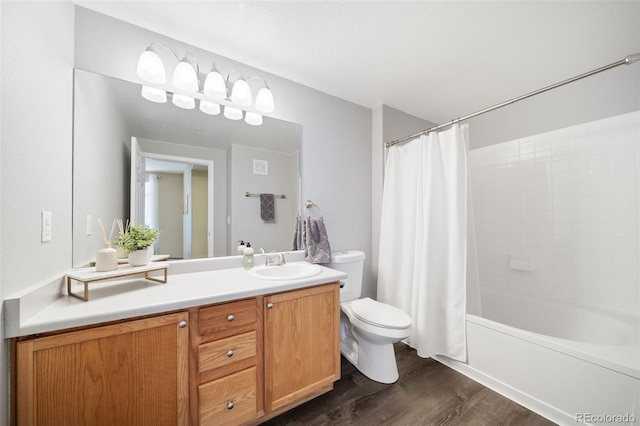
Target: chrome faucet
277,260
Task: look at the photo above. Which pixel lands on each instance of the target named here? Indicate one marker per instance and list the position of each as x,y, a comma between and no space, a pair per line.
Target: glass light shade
185,78
232,113
253,118
154,95
182,101
241,93
264,100
150,68
214,86
209,107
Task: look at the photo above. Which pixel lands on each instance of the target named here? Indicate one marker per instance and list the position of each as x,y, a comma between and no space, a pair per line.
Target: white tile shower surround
569,200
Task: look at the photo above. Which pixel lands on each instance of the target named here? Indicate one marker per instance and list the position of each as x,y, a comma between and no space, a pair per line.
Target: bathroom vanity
232,350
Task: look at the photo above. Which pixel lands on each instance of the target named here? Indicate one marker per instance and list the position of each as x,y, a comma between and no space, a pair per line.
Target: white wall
569,200
247,225
35,169
101,148
613,92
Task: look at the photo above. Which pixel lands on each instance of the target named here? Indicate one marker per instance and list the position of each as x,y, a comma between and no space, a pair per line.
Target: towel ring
308,205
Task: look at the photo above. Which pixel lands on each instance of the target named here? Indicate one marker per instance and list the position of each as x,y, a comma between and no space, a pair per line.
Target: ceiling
434,59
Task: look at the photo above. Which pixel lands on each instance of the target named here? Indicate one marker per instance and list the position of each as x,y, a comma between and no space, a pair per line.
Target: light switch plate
46,226
89,224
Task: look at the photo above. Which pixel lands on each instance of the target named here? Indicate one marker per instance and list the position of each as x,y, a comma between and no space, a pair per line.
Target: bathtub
570,364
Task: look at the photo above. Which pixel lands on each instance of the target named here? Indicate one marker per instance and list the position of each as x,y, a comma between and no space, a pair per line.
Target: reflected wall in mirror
216,161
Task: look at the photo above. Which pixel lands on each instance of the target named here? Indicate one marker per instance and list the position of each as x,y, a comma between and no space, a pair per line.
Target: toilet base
374,360
378,364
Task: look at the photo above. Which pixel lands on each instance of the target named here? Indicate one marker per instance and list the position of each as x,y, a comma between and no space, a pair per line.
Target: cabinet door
131,373
302,343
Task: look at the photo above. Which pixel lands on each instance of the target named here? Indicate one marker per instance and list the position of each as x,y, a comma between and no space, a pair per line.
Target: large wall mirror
197,177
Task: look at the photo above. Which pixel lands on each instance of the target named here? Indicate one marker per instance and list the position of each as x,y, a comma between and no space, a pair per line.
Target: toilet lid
380,314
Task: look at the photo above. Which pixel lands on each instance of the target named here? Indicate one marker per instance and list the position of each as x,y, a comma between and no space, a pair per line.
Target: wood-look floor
427,393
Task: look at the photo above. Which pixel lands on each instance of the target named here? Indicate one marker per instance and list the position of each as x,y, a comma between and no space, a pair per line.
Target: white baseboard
545,410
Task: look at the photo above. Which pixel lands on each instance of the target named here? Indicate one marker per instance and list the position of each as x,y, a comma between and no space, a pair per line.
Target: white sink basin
288,271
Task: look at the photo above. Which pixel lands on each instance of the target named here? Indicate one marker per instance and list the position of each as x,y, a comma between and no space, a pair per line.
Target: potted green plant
138,242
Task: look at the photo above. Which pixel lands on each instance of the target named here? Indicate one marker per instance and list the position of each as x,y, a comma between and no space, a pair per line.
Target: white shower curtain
422,264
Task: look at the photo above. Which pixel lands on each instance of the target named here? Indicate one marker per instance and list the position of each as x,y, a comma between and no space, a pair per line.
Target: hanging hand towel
267,206
298,242
316,241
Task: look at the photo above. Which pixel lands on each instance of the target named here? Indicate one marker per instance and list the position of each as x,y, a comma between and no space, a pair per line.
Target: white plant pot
140,257
122,253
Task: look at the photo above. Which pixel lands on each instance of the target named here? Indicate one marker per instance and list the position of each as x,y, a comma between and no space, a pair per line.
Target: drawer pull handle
229,353
229,405
269,305
182,324
230,317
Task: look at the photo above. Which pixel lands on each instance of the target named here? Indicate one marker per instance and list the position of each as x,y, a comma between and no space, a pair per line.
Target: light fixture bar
186,80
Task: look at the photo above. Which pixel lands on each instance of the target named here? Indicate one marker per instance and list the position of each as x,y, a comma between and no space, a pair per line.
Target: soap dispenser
241,247
248,256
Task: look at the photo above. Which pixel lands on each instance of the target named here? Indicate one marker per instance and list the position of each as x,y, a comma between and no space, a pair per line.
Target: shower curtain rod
630,59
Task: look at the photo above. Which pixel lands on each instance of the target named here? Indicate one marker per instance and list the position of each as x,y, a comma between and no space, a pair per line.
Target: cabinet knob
269,305
230,317
229,405
182,324
229,353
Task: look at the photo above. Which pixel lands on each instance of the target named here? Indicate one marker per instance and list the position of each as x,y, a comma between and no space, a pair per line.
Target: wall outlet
89,224
46,226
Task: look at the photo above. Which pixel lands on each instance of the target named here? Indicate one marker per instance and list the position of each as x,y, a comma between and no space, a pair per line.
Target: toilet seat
380,314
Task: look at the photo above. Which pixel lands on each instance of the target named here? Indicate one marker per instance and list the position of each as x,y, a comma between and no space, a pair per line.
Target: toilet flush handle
342,284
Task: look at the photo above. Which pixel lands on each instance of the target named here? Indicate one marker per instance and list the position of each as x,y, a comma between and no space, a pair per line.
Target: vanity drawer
230,400
223,352
219,318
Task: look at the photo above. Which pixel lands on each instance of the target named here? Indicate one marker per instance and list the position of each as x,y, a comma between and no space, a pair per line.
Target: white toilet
368,329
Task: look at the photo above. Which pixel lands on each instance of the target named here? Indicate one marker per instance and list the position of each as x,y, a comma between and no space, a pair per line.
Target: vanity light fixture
232,113
214,85
154,95
253,118
150,67
186,79
240,91
182,101
264,98
210,108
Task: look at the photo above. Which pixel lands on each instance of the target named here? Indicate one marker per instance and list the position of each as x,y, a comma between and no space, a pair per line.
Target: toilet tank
350,262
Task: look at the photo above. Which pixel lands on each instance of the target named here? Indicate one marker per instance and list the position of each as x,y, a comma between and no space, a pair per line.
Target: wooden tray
89,275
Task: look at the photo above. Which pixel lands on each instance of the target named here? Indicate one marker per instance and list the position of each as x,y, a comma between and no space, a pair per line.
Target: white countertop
129,298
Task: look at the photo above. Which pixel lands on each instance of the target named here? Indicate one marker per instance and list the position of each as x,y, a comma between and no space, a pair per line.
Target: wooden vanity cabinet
228,360
240,362
129,373
301,344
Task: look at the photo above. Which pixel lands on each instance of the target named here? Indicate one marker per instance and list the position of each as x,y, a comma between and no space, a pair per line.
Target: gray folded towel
267,206
298,242
317,249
